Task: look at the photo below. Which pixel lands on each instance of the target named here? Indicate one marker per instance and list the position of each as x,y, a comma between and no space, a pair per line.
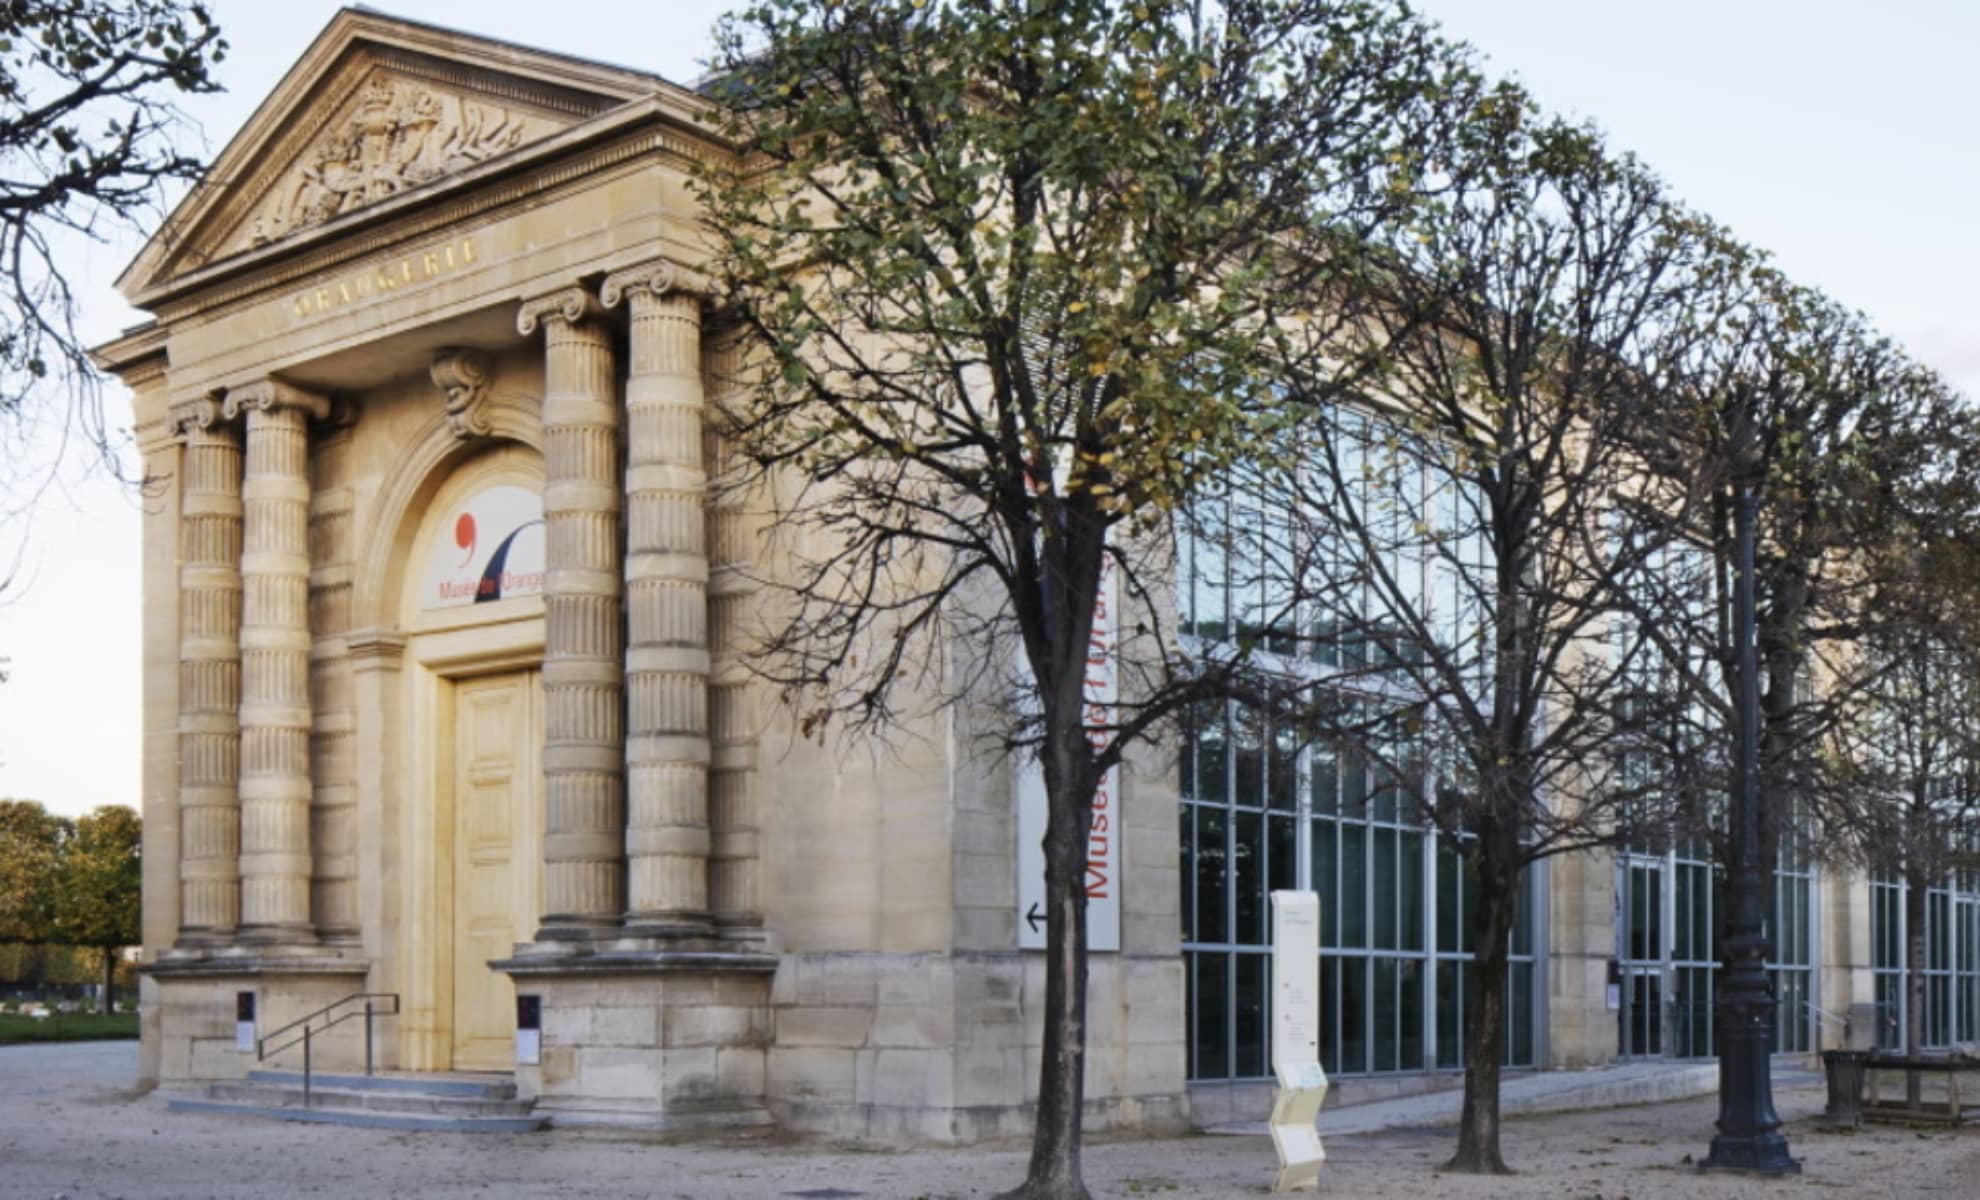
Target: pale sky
1838,134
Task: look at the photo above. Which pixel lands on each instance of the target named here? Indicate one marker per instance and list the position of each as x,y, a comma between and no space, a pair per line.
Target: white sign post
1103,839
1296,1040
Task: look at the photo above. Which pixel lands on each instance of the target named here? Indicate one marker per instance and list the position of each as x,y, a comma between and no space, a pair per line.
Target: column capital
270,395
462,374
570,305
657,278
199,412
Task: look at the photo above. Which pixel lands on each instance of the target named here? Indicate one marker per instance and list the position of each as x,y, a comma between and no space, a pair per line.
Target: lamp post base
1751,1154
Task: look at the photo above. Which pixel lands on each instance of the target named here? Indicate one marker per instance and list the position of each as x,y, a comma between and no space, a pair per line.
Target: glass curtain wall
1261,811
1952,959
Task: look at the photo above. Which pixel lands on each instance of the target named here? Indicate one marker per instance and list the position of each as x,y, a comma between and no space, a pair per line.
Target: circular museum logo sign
490,548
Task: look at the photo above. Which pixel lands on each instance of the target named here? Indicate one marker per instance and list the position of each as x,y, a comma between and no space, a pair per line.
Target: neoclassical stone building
443,698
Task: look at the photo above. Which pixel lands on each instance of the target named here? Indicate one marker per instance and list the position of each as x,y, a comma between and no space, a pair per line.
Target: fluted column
583,664
666,571
333,831
735,799
275,711
209,674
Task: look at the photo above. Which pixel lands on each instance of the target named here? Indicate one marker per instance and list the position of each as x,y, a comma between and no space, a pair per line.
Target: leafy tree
31,841
1018,275
89,141
97,882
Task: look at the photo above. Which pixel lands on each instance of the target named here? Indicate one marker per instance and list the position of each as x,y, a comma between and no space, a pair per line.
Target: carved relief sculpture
400,135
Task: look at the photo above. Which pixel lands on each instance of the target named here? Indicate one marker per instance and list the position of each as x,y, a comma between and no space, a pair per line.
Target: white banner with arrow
1103,840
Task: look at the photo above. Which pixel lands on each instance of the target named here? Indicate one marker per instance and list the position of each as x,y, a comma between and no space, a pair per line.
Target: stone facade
558,780
449,292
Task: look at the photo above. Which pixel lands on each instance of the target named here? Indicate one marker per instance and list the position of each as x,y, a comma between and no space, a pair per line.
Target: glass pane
1209,604
1447,898
1384,888
1326,870
1248,849
1283,853
1248,743
1385,1014
1282,774
1409,1004
1354,886
1354,1015
1252,990
1354,786
1326,786
1409,889
1213,758
1213,1059
1212,874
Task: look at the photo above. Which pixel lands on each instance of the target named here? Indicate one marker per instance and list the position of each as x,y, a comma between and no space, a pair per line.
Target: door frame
453,645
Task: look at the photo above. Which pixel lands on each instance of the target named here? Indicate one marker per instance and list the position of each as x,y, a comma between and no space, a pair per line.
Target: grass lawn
67,1027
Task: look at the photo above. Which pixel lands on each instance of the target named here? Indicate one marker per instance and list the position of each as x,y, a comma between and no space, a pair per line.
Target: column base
560,928
272,937
668,925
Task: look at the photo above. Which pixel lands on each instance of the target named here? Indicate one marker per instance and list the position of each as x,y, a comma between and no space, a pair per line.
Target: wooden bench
1950,1110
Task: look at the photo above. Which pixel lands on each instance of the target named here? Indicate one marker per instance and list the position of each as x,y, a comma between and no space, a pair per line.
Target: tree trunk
1915,885
109,977
1055,1172
1485,1021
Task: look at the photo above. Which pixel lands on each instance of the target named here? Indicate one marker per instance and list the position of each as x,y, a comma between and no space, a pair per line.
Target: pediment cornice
377,111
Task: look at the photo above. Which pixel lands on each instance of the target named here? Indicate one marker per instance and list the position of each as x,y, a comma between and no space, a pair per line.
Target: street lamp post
1749,1137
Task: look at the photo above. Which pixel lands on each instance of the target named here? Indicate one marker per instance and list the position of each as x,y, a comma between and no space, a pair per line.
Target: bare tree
89,143
1017,274
1458,540
1909,748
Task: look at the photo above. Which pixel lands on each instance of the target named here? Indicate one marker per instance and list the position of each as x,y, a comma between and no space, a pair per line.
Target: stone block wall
945,1047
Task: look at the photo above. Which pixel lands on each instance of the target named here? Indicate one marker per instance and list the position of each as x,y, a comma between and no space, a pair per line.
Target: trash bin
1845,1069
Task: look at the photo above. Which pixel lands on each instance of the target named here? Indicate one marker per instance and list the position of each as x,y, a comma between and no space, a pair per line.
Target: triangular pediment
377,108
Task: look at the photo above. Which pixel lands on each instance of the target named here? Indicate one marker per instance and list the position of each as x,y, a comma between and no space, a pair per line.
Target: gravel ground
71,1127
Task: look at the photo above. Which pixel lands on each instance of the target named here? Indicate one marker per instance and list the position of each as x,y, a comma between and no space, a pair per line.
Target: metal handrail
262,1049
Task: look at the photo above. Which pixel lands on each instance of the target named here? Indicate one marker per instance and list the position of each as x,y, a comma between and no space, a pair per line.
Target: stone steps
435,1103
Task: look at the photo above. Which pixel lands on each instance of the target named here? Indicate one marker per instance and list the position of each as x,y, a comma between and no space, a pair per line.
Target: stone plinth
636,1036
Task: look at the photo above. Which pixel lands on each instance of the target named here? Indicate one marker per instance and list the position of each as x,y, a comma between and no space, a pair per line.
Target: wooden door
498,728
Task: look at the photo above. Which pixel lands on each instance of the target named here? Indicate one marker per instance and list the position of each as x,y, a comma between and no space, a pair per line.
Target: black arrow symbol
1033,917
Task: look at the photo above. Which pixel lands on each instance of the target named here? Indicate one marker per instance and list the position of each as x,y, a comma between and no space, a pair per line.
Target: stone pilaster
735,805
209,674
275,785
583,653
666,571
